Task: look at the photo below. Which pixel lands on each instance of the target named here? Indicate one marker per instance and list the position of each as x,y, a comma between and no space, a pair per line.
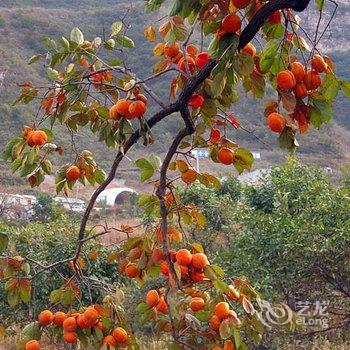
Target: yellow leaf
197,247
158,50
160,66
2,332
199,218
150,34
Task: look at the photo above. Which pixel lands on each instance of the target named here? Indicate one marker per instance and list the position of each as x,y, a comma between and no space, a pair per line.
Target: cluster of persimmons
301,81
70,323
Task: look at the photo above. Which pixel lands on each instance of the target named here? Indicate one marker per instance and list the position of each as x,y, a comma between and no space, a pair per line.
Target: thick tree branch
181,104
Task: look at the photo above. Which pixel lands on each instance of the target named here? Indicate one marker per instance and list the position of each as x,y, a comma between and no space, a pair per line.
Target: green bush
48,243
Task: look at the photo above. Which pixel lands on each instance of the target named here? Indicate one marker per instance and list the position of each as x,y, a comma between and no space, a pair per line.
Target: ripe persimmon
184,271
164,268
199,260
275,18
196,101
222,310
189,176
312,80
216,347
196,304
82,322
113,112
157,255
197,276
36,138
228,345
286,80
73,173
240,4
32,345
152,298
300,90
122,107
70,324
202,59
109,340
318,64
226,156
135,253
143,98
120,335
330,64
137,109
184,257
91,316
192,50
171,51
187,61
298,71
70,337
162,306
276,122
249,49
214,323
58,318
231,23
132,271
45,318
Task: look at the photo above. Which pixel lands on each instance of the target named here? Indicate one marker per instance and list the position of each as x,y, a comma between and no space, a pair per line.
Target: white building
73,204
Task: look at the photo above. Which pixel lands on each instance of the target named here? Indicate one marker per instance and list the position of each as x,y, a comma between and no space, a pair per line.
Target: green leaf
203,316
319,4
13,297
221,286
244,159
25,267
24,294
16,164
77,36
125,41
46,165
115,62
4,241
55,296
31,331
146,168
321,112
345,86
116,27
99,176
243,64
50,44
268,55
330,87
34,59
67,296
52,73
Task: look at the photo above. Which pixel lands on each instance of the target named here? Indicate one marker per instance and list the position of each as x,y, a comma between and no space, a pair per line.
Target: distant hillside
24,23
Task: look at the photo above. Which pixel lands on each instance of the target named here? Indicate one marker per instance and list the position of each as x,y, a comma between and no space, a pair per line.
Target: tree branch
180,105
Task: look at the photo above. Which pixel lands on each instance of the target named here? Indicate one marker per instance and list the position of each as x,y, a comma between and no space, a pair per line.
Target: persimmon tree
200,306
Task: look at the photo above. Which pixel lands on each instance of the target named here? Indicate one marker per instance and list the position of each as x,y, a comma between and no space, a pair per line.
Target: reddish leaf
233,121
